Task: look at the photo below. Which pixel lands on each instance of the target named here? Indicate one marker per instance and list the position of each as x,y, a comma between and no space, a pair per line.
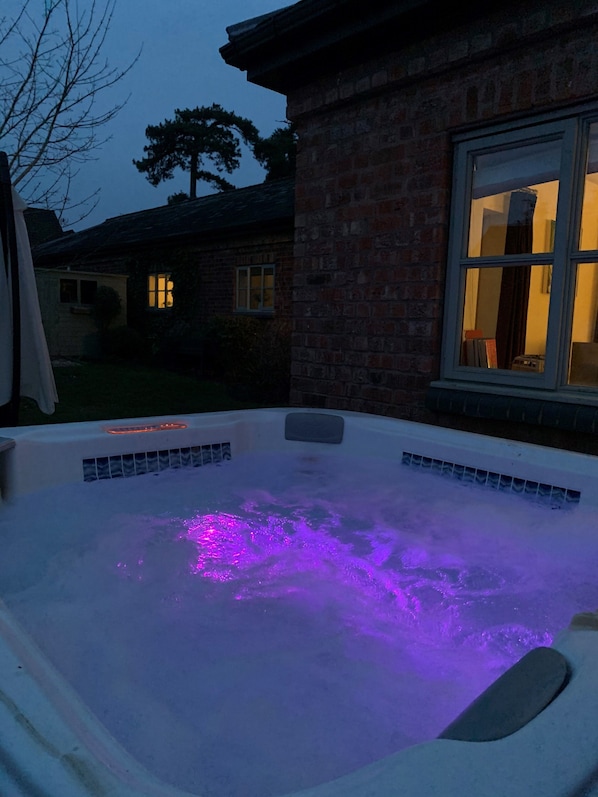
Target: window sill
573,411
256,313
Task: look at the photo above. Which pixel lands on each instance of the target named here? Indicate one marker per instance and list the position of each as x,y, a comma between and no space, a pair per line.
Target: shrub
252,355
124,343
106,307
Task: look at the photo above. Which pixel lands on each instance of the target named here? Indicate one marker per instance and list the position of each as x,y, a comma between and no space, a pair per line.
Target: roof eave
288,48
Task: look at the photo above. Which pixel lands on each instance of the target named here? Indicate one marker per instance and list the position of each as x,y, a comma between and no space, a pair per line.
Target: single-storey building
446,255
66,300
227,254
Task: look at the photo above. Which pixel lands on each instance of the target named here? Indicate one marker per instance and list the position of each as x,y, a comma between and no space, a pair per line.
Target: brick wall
203,274
373,190
217,263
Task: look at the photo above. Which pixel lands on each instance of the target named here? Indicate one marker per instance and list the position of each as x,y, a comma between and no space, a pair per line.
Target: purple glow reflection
285,617
223,545
379,584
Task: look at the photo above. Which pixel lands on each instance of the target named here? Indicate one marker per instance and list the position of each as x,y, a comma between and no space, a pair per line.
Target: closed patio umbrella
25,367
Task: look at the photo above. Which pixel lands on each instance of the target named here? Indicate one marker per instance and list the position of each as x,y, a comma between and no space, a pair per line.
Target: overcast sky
180,67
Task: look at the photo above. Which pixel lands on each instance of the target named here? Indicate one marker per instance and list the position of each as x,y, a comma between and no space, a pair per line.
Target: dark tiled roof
42,225
297,44
265,204
250,24
292,46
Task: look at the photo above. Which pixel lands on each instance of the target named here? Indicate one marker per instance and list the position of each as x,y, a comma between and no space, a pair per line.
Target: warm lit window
522,290
255,289
159,291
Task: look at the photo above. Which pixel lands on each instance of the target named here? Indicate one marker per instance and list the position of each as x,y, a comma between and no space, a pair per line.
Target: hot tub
532,732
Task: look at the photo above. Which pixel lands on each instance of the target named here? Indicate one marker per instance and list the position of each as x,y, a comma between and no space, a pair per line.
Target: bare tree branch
53,76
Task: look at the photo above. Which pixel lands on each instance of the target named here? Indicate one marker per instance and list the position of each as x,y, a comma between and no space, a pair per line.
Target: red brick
374,180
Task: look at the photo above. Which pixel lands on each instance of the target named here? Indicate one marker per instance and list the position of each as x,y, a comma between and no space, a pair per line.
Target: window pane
160,291
68,290
242,299
169,289
268,298
256,280
88,291
588,235
255,285
583,359
505,318
514,200
151,290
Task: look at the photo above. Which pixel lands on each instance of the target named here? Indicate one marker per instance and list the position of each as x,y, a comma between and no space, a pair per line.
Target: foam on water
273,622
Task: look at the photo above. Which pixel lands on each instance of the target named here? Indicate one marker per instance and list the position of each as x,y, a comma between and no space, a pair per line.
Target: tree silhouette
277,153
177,198
196,136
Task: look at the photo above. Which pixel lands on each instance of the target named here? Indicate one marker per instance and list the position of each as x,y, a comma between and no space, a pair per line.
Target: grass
103,391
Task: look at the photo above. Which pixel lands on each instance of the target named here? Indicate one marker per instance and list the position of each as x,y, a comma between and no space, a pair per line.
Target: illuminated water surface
273,622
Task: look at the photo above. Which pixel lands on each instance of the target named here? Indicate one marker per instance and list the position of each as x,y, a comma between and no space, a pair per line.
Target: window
255,289
159,291
88,290
68,291
522,280
74,291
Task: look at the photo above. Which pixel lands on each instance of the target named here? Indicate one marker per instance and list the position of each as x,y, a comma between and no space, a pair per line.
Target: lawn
102,391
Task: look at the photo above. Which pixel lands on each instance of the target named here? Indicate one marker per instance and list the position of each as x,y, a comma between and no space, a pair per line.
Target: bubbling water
277,621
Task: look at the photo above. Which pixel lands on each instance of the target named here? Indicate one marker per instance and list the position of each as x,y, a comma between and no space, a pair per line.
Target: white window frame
573,130
243,303
78,298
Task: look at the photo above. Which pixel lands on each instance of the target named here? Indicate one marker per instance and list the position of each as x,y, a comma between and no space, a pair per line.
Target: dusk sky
180,67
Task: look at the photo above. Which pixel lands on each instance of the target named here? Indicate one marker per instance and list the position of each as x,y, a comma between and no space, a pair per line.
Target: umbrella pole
9,413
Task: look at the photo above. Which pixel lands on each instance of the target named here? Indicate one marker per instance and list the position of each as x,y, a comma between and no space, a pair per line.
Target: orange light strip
167,426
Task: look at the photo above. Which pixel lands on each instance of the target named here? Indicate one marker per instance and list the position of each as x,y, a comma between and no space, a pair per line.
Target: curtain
25,366
514,290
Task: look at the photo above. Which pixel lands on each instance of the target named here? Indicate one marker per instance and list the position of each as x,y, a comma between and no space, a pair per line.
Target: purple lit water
274,622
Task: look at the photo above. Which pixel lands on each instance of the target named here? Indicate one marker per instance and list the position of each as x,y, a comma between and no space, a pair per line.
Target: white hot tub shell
51,744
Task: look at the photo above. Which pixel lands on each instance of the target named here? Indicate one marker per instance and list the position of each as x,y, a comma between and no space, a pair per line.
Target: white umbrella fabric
24,352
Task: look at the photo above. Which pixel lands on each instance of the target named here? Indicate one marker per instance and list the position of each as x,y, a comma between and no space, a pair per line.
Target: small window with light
255,289
159,291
